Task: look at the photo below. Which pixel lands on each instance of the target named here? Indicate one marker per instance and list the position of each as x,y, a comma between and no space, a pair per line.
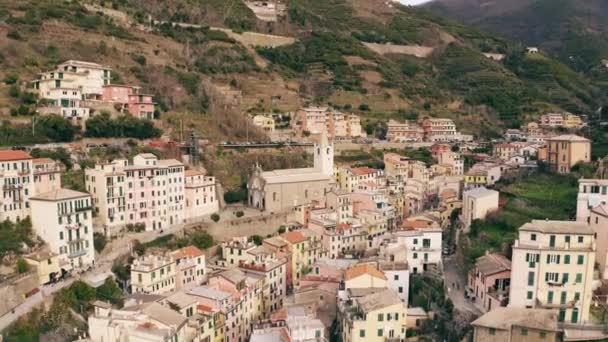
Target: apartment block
454,160
517,324
153,274
489,281
477,204
129,99
201,194
349,179
265,122
324,120
149,192
439,129
404,131
552,268
591,193
371,315
64,220
191,267
565,151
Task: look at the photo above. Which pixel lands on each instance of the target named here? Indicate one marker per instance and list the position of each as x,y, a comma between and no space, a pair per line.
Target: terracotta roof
204,308
413,224
492,263
294,237
358,270
190,173
187,252
8,155
360,171
343,226
42,160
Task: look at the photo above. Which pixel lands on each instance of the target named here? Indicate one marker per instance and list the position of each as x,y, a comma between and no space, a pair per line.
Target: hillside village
193,204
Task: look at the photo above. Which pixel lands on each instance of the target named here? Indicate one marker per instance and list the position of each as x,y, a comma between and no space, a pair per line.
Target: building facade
565,151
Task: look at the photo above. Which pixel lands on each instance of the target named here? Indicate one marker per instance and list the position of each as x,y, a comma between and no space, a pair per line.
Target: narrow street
455,281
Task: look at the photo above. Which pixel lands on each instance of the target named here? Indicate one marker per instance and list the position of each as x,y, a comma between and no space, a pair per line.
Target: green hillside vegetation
538,197
329,62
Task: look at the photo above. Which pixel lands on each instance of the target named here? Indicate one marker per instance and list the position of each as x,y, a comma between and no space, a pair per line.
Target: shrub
202,239
22,266
235,196
364,107
14,34
11,79
215,217
257,240
99,241
126,126
240,213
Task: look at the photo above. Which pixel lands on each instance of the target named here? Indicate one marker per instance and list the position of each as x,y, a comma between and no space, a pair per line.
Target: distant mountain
574,31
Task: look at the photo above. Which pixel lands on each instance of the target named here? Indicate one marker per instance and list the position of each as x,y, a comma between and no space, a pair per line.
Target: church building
279,190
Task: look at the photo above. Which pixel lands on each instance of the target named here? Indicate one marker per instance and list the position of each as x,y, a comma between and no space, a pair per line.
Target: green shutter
567,259
550,297
564,278
563,298
581,259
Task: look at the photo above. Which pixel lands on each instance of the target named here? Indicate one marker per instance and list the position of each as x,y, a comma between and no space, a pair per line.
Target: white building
591,193
422,246
552,267
149,192
150,322
477,203
64,220
201,194
153,274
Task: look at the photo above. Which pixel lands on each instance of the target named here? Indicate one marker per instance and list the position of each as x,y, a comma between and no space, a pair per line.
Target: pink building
489,281
139,105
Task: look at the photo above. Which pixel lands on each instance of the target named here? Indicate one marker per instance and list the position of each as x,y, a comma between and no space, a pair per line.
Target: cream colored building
517,325
64,220
565,151
572,121
454,160
372,315
265,122
279,190
47,175
598,220
324,120
151,322
406,131
591,193
350,178
552,267
477,204
201,194
153,274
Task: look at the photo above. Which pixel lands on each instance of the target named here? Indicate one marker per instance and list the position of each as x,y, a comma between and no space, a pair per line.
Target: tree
215,217
56,128
99,241
202,239
257,239
110,292
60,154
22,266
139,248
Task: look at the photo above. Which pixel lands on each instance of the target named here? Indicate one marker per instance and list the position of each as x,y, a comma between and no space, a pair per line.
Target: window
524,332
574,318
577,296
380,317
552,241
396,277
567,259
567,238
580,239
317,333
542,334
564,278
533,237
362,333
380,332
563,298
580,259
530,278
550,297
529,296
551,277
579,278
492,331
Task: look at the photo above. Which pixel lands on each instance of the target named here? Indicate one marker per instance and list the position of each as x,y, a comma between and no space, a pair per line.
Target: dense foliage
125,126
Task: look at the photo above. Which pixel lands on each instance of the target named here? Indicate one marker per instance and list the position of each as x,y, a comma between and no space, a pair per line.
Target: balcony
568,305
78,253
84,208
10,187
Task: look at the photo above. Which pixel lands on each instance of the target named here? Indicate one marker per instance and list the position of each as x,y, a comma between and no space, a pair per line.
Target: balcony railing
78,253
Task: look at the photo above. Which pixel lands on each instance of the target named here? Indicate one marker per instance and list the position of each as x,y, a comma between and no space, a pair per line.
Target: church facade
279,190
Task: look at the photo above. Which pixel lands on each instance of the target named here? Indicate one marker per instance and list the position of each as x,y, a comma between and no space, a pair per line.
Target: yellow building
153,274
264,122
377,316
475,179
565,151
46,264
572,121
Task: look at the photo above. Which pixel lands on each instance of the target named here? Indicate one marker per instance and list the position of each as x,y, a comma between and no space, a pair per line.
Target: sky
413,2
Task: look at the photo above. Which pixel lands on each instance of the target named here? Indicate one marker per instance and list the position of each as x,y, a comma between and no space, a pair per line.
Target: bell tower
324,156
